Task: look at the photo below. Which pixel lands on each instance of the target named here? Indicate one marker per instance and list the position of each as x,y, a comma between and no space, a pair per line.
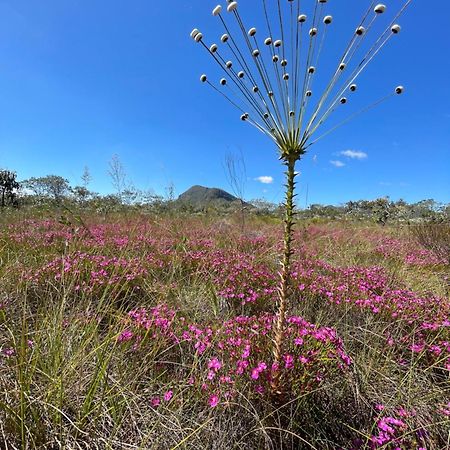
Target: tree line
56,190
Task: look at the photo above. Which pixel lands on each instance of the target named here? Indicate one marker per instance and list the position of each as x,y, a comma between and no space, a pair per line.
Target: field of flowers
156,333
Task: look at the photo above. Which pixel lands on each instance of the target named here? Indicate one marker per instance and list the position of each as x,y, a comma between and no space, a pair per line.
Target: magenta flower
168,396
213,400
155,402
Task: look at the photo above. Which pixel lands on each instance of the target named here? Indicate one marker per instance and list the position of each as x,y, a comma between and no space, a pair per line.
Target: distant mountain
200,196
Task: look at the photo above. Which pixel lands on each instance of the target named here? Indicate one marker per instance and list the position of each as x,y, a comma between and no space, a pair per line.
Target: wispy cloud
337,163
354,154
265,179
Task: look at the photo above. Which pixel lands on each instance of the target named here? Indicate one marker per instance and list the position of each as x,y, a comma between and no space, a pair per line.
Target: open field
156,333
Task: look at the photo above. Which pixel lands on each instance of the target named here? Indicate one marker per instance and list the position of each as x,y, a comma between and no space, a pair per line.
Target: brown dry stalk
283,289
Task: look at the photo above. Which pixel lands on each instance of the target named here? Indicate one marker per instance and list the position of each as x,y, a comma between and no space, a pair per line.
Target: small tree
8,187
236,173
50,186
116,172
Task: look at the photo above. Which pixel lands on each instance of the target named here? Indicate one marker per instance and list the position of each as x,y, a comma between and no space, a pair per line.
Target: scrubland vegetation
155,331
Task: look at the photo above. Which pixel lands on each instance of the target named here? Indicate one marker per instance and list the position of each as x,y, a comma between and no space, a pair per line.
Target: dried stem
283,289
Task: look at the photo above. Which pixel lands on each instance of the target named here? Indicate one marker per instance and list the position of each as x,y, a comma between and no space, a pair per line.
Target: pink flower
214,364
125,336
417,348
213,400
168,396
288,361
259,389
155,402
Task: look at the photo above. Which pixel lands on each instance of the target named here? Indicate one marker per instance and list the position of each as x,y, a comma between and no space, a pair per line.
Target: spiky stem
283,289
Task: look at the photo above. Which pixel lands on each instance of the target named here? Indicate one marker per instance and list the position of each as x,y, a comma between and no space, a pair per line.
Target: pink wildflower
155,402
168,396
213,400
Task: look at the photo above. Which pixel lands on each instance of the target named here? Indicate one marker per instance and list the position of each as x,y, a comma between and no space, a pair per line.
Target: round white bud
194,33
252,32
353,87
291,113
313,31
396,28
223,81
255,89
342,66
312,69
275,58
224,38
302,18
255,53
278,43
232,6
203,78
360,31
399,90
213,48
268,41
241,74
217,10
380,8
327,20
229,64
308,93
283,62
343,100
198,37
286,76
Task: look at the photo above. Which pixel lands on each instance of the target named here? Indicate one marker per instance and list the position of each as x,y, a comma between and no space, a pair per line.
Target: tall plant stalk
285,273
275,94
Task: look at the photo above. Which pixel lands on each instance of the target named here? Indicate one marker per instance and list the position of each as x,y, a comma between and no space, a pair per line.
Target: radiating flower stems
275,96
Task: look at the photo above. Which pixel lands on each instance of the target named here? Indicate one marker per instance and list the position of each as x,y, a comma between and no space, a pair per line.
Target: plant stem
283,289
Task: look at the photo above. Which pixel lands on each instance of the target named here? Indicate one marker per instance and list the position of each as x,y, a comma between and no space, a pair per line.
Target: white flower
217,10
232,6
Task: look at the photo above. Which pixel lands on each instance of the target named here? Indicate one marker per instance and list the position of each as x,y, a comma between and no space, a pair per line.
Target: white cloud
337,163
354,154
265,179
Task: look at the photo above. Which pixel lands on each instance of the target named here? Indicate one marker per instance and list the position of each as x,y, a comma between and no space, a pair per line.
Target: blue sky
83,80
